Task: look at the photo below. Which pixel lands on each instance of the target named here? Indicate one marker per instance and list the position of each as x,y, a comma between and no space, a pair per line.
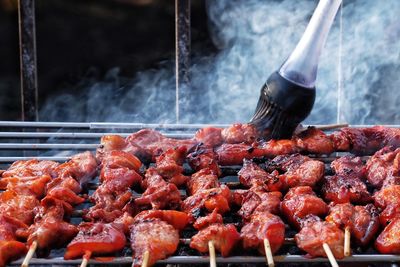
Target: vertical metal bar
182,51
28,68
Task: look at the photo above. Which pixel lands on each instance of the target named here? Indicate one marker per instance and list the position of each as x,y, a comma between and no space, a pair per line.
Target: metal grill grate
58,141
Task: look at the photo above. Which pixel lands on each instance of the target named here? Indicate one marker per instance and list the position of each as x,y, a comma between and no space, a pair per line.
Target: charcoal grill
59,140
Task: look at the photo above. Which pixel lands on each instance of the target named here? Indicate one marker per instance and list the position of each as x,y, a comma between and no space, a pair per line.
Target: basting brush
288,95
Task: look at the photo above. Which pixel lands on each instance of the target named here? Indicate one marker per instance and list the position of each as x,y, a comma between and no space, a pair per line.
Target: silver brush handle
301,66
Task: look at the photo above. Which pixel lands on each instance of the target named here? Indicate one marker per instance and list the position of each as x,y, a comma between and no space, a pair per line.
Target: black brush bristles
282,106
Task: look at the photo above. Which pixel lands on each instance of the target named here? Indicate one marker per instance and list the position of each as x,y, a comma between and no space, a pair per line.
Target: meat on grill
177,219
347,185
224,237
363,221
10,247
157,237
388,241
97,238
203,179
82,167
207,200
349,166
314,141
314,233
252,175
365,141
159,194
209,136
388,200
211,218
204,158
343,189
300,202
19,207
169,165
33,185
263,225
118,174
257,200
298,170
240,133
50,231
29,168
384,165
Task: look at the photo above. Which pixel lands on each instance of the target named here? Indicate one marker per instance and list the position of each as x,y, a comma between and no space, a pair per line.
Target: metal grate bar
20,135
48,146
370,258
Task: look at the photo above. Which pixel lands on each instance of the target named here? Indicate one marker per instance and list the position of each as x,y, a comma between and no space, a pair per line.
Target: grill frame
49,137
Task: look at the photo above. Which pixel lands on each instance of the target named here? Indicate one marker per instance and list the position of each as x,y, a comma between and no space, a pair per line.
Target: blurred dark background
82,40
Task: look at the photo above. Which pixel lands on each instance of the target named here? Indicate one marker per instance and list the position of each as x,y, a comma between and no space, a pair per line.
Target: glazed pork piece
224,237
388,241
19,207
298,170
257,200
240,133
33,185
203,179
347,185
383,166
252,175
155,236
29,168
10,247
314,233
146,144
300,202
314,141
204,158
159,194
263,225
365,141
50,231
96,238
169,165
363,221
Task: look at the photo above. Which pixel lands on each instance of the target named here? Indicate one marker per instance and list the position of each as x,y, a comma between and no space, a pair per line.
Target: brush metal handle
301,66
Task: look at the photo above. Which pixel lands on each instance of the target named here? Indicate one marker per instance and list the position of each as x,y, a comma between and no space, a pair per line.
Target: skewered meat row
21,199
259,208
302,208
242,141
102,235
51,228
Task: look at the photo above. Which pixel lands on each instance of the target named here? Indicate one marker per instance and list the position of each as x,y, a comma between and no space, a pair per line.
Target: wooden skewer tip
86,258
29,255
330,255
268,253
347,235
211,248
146,256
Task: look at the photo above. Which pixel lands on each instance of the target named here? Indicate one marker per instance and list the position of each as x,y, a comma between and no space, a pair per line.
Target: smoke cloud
254,38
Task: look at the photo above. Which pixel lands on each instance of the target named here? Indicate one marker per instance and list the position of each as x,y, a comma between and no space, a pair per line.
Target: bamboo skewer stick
347,234
211,248
146,256
86,258
268,253
29,255
330,255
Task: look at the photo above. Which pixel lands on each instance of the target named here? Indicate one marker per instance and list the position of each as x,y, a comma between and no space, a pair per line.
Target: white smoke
254,38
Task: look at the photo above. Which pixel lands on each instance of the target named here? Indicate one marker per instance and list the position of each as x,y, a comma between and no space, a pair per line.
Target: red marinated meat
363,221
388,241
96,238
157,237
251,175
300,202
263,225
314,141
224,237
